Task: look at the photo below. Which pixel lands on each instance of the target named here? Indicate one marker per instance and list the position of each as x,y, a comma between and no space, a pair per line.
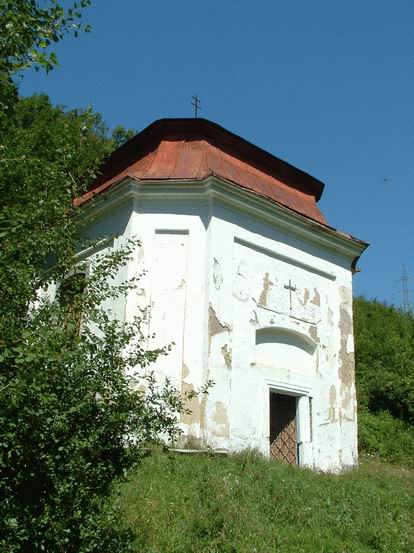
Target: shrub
382,435
384,348
73,420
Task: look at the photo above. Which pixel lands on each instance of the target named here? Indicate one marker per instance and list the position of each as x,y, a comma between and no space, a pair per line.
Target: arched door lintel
278,334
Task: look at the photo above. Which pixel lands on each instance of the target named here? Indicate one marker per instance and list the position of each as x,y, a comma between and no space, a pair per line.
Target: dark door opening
283,442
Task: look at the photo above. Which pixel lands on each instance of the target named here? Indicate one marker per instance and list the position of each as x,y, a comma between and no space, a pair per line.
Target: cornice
217,190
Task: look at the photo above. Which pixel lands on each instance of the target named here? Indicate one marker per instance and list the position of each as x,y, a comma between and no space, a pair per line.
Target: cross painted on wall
291,288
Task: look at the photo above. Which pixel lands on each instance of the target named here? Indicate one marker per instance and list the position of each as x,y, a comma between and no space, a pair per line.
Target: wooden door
283,442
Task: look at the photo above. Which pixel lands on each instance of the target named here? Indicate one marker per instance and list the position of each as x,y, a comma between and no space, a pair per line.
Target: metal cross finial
196,105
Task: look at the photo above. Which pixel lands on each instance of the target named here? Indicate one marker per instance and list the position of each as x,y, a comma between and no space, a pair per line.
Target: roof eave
350,244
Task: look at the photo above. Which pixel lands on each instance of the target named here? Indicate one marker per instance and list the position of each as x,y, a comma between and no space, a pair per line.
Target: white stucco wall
217,271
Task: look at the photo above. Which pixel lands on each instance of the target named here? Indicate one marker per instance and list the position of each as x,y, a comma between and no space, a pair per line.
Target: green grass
246,504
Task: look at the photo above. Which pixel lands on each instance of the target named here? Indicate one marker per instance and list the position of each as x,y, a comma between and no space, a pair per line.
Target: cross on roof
196,105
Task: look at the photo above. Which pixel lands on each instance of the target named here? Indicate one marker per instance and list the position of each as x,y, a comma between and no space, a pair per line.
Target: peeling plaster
316,300
332,405
193,404
346,356
317,367
185,371
226,352
306,297
267,284
214,325
347,398
330,317
221,419
217,274
313,331
181,285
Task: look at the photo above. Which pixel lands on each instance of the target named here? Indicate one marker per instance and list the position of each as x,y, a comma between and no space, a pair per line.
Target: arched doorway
287,359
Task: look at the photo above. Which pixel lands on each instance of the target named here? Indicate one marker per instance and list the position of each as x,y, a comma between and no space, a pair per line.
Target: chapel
245,277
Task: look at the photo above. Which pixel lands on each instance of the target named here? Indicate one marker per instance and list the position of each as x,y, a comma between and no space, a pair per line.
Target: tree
48,157
27,30
37,193
72,419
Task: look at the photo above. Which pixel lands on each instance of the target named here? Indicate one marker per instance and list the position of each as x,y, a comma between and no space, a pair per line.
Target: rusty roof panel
214,163
204,168
163,163
187,163
188,149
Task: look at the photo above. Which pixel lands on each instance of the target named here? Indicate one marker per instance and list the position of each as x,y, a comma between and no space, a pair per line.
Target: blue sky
327,85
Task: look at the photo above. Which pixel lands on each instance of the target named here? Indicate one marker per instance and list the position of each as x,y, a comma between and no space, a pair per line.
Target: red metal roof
194,149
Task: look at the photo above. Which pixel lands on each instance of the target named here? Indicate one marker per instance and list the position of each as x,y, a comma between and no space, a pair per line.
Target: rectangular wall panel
168,300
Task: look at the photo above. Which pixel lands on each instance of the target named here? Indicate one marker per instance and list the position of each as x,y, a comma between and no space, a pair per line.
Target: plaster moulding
213,189
286,258
291,388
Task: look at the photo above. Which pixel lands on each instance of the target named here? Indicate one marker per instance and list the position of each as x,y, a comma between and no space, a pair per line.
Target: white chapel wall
216,282
258,263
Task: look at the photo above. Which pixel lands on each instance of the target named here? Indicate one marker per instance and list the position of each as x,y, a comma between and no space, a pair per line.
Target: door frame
303,395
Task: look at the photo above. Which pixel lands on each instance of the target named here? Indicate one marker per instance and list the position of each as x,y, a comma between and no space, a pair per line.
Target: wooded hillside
384,346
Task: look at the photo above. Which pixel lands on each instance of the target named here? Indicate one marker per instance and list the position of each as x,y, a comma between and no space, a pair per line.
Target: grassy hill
246,504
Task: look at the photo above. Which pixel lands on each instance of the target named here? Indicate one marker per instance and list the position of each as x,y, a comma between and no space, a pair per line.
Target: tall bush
72,419
384,348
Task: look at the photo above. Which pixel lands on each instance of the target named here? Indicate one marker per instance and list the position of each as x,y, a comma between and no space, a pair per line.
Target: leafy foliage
384,347
27,30
48,157
77,398
384,436
73,420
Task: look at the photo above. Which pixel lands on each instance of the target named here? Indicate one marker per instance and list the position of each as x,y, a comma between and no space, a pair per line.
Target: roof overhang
129,188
